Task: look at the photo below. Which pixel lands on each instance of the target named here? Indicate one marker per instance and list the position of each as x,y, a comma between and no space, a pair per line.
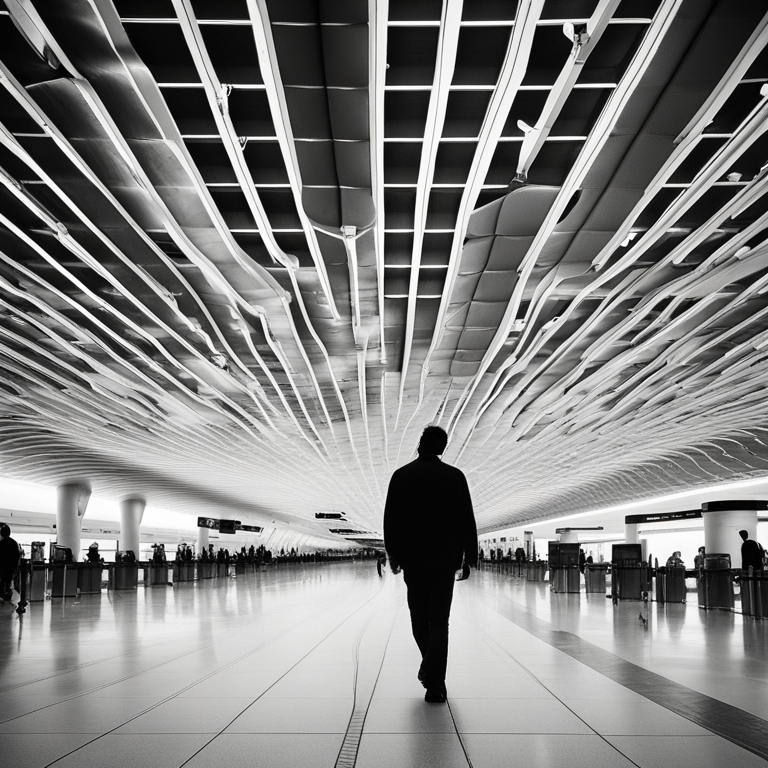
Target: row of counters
54,580
667,584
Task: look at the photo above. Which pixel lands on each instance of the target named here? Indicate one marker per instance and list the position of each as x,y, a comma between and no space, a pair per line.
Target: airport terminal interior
250,249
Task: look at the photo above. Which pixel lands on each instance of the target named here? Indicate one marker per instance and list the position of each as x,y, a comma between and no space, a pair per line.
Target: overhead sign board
251,528
329,516
663,517
208,522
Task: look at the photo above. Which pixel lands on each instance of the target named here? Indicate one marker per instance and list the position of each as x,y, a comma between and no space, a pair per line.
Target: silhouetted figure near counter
10,556
428,500
751,553
582,560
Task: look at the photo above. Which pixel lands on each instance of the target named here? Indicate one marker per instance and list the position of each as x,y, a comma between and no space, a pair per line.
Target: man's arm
468,524
393,524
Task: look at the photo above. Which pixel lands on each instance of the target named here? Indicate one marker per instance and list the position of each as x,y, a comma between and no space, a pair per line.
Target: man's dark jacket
751,554
428,517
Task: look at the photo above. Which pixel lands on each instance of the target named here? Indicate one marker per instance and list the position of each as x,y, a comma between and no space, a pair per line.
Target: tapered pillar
630,533
71,502
131,512
202,539
722,522
569,537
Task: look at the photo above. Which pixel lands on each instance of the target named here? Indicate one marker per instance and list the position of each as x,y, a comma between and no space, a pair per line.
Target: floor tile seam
350,745
752,738
221,732
188,687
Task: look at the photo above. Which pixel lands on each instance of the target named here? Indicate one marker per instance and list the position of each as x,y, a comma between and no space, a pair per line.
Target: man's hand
464,573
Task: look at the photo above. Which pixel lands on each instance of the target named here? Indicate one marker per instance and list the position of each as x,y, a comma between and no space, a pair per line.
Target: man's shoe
436,695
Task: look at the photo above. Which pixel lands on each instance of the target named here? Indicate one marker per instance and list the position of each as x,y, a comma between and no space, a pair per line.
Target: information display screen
208,522
229,526
251,528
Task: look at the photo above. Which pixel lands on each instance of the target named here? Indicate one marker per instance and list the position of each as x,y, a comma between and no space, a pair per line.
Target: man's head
744,535
5,530
433,441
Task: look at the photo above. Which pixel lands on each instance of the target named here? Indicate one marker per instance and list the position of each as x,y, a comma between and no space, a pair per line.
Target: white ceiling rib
181,316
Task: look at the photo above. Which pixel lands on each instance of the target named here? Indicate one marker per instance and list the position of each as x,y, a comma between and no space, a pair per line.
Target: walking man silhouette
430,533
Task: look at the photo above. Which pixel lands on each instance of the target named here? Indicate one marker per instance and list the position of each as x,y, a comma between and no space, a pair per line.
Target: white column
722,522
202,539
569,537
630,533
71,501
131,512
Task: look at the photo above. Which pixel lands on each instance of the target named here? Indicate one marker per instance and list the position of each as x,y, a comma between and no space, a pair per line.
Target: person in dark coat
751,553
10,555
429,500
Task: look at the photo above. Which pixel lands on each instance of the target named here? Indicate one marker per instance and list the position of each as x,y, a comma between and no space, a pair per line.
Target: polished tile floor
315,666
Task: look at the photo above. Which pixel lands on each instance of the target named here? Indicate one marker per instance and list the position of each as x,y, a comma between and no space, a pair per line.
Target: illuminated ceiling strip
378,12
270,71
447,48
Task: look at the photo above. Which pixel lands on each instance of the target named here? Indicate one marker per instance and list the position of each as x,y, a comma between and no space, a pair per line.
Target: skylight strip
447,49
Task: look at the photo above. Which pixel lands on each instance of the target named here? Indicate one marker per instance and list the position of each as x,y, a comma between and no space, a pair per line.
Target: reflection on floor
315,666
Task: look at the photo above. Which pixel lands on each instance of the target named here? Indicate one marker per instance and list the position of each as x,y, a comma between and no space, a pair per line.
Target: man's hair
433,441
744,535
5,530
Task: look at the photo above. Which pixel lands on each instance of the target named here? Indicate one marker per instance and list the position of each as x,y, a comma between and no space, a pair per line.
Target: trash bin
715,584
594,578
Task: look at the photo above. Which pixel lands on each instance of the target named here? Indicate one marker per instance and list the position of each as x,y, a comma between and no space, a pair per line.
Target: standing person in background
10,555
751,553
428,500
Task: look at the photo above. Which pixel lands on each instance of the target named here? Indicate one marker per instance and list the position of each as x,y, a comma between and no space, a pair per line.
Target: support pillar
71,501
202,539
722,522
569,537
630,533
131,512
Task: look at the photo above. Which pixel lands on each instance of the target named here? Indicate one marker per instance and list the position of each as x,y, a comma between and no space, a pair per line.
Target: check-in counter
89,578
564,578
156,575
670,584
63,579
754,593
37,582
222,570
716,582
124,576
594,578
536,570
